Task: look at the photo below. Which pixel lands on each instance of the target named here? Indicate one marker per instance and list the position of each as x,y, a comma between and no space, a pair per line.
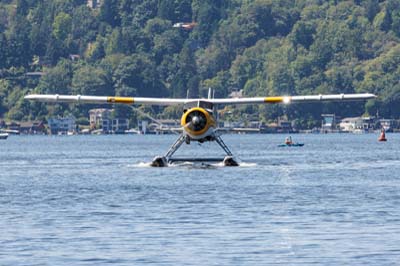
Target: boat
3,135
291,145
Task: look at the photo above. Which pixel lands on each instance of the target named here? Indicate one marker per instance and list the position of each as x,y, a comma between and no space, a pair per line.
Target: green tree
302,34
134,41
19,53
167,43
183,10
207,15
15,110
383,20
187,70
114,42
62,26
280,78
5,87
84,28
3,50
22,7
156,26
396,23
57,80
166,9
372,8
109,13
137,75
54,51
217,83
89,80
96,51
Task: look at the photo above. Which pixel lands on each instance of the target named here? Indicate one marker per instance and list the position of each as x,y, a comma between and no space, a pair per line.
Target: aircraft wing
295,99
223,101
104,99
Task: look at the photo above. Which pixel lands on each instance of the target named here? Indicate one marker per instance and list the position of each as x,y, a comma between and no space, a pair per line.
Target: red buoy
382,136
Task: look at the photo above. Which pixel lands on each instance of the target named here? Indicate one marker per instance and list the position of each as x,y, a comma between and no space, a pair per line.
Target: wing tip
30,97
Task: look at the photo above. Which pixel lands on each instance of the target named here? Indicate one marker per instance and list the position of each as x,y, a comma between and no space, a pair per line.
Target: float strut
175,146
222,144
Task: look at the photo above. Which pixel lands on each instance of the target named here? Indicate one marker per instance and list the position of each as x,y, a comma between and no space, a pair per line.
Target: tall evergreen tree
109,12
187,70
3,50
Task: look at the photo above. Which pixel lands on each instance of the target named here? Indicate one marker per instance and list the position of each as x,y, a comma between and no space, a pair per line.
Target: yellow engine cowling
197,122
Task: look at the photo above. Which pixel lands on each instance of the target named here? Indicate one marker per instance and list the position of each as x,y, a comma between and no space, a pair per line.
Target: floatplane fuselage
199,117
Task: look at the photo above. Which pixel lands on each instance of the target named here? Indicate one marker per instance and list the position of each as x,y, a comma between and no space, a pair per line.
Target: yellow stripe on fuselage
126,100
277,99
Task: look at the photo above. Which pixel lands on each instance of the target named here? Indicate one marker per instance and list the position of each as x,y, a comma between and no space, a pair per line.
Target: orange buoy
382,136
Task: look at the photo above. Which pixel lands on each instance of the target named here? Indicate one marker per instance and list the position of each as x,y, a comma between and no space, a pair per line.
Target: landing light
286,100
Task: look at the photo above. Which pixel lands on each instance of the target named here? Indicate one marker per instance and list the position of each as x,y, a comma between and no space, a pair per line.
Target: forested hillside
265,47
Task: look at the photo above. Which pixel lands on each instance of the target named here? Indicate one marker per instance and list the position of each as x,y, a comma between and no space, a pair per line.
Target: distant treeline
263,47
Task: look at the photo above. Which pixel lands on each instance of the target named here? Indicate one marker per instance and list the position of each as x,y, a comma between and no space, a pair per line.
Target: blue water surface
93,200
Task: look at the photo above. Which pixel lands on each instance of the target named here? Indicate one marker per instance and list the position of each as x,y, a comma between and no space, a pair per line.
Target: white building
99,118
356,124
350,124
94,3
62,125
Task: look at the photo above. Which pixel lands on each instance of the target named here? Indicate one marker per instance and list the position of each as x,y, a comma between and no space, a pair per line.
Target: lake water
93,200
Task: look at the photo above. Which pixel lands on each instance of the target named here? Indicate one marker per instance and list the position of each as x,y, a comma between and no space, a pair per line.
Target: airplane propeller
196,121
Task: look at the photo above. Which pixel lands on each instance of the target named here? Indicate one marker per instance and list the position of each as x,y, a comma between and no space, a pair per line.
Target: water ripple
91,200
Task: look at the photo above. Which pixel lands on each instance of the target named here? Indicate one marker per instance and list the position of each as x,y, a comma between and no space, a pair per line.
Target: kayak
291,145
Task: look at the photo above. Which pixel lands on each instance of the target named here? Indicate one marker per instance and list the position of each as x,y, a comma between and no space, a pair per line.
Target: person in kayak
288,141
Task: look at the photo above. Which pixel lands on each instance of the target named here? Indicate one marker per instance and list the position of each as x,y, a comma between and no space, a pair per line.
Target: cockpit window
205,105
202,104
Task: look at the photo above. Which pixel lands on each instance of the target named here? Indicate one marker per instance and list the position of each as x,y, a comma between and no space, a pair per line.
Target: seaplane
199,116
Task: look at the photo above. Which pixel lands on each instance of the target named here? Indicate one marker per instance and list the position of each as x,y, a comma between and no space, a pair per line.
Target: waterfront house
356,124
100,118
32,127
13,126
387,124
164,126
62,125
350,124
328,123
285,126
119,125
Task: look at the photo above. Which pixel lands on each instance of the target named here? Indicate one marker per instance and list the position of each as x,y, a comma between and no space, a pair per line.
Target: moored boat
3,135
